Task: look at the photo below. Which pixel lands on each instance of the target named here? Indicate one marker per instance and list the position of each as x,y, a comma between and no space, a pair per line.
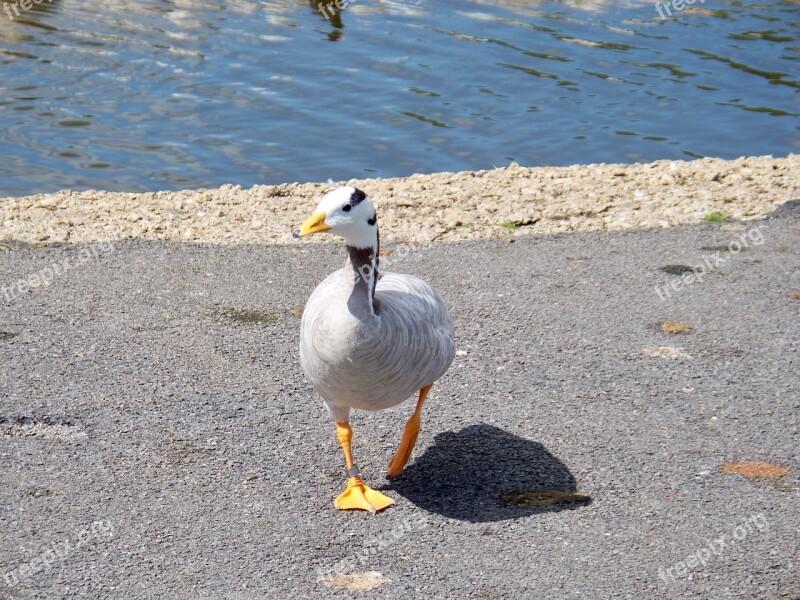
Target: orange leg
400,459
357,496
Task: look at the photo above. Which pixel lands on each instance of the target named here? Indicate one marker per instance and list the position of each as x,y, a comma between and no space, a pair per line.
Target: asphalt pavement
158,440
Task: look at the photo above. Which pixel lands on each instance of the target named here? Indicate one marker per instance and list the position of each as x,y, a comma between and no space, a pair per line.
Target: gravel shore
509,201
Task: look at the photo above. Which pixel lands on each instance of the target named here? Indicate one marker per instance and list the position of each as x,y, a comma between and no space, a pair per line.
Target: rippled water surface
151,95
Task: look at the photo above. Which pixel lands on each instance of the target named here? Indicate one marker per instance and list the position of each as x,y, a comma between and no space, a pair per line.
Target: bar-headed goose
370,340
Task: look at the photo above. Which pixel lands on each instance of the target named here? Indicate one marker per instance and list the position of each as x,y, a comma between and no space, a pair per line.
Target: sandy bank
446,206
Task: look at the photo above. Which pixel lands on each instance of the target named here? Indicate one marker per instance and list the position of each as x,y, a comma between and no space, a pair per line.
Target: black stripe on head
357,196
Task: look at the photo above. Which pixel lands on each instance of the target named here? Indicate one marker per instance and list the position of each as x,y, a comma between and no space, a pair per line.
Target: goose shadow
482,473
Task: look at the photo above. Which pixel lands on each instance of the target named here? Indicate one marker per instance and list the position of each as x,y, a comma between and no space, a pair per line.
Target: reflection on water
332,13
153,95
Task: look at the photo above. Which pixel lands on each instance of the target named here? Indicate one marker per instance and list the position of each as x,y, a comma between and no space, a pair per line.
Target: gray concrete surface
157,439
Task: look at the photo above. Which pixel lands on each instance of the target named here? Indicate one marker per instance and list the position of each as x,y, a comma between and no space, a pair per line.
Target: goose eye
346,208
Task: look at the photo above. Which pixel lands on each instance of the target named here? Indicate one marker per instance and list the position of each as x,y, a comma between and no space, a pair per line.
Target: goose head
346,212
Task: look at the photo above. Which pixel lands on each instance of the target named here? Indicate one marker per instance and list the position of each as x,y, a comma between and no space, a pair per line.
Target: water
148,95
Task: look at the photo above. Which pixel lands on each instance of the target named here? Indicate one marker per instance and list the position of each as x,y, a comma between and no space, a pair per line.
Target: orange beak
315,224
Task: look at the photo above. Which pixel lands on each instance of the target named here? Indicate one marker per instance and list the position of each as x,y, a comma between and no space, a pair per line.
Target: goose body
356,359
370,340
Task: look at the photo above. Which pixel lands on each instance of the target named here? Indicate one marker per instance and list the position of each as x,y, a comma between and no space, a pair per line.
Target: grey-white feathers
370,343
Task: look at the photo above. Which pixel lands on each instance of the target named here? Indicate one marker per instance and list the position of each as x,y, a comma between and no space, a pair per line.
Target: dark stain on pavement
37,492
243,316
543,498
45,427
7,335
677,270
466,475
724,248
44,420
